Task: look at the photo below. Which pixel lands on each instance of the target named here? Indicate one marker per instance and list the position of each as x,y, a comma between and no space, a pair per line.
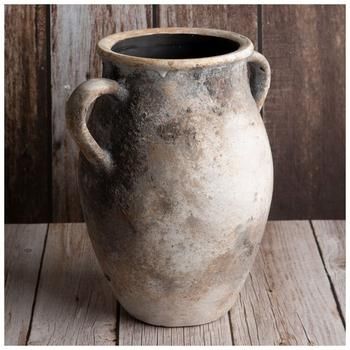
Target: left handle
78,111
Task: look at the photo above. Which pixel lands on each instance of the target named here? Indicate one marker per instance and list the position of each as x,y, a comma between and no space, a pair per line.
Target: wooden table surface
55,292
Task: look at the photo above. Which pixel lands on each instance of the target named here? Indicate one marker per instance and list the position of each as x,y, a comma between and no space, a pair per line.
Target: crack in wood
117,328
306,335
252,306
155,16
336,299
231,327
245,318
254,291
37,285
256,325
271,306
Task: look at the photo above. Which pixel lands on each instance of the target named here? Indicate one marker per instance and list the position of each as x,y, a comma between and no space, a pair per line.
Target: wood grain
24,246
27,115
330,236
75,31
305,109
304,112
74,304
287,299
237,18
134,332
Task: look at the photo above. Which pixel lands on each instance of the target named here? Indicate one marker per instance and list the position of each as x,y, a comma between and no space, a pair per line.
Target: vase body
177,220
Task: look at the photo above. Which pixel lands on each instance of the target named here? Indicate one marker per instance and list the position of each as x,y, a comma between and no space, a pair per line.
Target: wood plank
331,240
74,304
75,31
134,332
24,246
287,298
305,109
27,114
237,18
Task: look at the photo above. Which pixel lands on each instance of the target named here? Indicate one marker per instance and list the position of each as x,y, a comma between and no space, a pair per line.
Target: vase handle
77,114
260,77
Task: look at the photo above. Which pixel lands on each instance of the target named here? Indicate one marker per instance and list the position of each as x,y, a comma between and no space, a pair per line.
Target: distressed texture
27,114
74,305
75,31
236,18
175,243
287,299
304,115
330,237
24,245
305,111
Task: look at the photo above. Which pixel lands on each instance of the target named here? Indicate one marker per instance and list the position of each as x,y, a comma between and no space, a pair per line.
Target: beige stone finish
175,175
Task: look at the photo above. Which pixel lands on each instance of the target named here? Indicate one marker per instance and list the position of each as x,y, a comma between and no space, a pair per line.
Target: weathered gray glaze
176,191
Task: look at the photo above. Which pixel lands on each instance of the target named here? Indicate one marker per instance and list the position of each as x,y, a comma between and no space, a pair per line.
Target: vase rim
244,50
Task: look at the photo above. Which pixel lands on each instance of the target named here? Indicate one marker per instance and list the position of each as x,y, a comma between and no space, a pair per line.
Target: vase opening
175,46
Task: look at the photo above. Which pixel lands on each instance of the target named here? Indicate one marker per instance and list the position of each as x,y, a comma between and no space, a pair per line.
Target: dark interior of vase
175,46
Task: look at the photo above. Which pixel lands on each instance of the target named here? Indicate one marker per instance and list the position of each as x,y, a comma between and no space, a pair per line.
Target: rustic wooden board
24,246
304,112
134,332
74,304
330,237
287,298
305,109
237,18
75,31
27,115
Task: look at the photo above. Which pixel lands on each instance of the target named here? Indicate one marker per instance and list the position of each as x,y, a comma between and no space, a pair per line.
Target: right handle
260,77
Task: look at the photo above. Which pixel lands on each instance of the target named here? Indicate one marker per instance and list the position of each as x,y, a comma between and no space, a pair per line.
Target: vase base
170,321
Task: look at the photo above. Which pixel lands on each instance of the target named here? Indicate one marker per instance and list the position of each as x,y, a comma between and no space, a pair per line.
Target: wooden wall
49,50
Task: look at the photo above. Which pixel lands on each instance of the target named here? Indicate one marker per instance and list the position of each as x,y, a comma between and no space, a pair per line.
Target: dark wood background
49,50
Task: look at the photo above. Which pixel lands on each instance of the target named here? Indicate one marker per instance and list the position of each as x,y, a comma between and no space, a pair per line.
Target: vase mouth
175,48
